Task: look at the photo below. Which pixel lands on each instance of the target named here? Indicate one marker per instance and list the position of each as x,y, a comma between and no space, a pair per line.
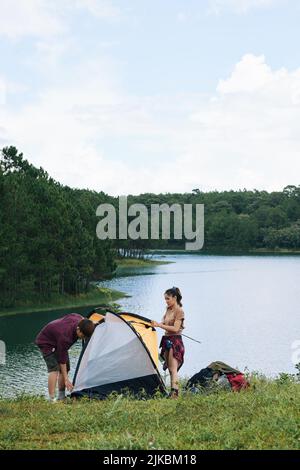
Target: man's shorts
53,364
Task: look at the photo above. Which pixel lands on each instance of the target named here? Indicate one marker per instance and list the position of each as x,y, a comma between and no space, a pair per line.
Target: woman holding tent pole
172,347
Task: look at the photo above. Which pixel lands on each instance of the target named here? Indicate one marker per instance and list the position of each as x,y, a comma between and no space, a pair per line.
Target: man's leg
61,383
61,387
52,380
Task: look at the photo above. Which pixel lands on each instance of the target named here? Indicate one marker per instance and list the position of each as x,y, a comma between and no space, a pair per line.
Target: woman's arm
171,329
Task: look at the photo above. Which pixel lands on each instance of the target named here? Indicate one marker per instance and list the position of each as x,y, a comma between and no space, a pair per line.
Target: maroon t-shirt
59,335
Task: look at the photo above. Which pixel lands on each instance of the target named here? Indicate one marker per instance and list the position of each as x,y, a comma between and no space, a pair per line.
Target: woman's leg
166,356
173,366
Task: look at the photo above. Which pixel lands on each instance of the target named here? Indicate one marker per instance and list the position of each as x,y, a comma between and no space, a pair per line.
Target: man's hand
69,385
64,372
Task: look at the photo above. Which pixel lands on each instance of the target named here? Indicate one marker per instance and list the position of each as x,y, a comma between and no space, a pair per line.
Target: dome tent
122,354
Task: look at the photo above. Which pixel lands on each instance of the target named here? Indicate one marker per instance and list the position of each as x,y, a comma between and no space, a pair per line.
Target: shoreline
107,296
104,296
256,251
139,263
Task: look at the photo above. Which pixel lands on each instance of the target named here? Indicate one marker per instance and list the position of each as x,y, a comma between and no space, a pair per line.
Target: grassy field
96,296
266,416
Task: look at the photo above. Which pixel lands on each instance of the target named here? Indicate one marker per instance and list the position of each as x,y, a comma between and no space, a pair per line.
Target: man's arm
62,357
64,372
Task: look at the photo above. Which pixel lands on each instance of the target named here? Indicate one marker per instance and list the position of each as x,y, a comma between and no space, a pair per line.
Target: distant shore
97,295
134,262
227,252
100,295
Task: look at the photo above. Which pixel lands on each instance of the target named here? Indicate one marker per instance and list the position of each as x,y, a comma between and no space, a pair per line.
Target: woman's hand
155,324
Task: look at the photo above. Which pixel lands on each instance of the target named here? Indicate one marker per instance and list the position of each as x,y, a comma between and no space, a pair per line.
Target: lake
244,310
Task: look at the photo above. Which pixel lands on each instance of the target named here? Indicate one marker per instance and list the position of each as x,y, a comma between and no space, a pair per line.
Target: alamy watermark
145,222
2,353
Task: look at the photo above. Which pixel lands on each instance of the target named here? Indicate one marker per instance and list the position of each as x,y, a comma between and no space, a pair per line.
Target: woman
172,348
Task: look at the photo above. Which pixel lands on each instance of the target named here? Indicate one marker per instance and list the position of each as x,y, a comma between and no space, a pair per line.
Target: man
54,341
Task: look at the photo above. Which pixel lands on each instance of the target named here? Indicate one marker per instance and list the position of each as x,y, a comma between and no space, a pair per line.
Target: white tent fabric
113,354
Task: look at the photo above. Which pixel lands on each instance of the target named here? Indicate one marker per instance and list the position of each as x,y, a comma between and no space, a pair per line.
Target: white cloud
238,6
245,135
28,18
99,8
9,88
59,131
2,91
249,75
49,54
44,18
248,134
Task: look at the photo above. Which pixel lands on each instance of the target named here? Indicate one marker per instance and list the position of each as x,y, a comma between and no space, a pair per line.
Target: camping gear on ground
122,355
217,373
223,382
203,379
237,382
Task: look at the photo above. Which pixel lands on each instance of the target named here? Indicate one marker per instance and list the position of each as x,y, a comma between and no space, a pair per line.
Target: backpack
201,379
217,373
237,382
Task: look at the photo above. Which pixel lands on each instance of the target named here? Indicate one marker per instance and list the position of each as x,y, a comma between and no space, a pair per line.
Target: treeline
48,243
237,220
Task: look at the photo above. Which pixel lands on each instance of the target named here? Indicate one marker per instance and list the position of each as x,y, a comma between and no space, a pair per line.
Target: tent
122,354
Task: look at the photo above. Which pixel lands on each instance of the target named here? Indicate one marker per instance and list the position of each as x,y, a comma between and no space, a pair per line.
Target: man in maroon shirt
54,341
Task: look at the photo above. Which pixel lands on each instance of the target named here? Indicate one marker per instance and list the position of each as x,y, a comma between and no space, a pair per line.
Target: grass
97,295
266,416
134,262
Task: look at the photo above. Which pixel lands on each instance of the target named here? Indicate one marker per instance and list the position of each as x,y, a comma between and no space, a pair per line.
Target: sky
135,96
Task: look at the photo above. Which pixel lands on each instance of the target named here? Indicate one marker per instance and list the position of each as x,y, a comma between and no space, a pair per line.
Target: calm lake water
244,309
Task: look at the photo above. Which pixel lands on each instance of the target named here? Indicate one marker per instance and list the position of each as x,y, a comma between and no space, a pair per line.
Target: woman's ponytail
175,291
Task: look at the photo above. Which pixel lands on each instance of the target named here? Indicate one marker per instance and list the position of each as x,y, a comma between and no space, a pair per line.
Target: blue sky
138,96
